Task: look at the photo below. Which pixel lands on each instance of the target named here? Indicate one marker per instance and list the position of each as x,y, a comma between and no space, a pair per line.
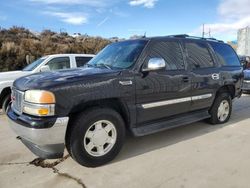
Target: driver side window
170,51
59,63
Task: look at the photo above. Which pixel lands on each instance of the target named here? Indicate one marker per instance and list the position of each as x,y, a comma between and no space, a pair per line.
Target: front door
163,93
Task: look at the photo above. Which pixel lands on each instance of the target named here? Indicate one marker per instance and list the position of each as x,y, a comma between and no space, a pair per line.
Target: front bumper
246,85
46,143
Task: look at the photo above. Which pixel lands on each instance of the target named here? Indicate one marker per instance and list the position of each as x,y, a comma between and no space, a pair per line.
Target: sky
124,18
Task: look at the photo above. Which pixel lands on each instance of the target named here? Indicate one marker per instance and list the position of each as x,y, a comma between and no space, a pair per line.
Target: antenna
206,33
144,36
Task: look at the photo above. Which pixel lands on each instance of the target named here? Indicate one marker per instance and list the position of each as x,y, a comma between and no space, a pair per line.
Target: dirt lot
197,155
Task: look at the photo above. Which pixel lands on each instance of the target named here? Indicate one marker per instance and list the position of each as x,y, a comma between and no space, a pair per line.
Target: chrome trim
126,83
199,97
246,81
215,76
41,137
164,103
156,63
17,104
176,101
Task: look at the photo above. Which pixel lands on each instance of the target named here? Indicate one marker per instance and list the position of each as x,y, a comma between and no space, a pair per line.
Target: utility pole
203,30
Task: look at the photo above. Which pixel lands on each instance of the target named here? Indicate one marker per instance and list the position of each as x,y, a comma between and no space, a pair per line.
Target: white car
46,63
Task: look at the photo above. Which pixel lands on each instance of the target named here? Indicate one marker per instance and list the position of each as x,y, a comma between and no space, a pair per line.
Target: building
243,41
233,44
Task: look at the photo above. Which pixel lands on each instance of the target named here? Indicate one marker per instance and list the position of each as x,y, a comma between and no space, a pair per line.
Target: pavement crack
44,164
66,175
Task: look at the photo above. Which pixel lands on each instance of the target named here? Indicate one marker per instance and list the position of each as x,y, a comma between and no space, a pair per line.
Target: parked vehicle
142,86
46,63
245,61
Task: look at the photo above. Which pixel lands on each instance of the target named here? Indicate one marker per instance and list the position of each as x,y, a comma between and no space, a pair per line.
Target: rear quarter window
225,54
81,61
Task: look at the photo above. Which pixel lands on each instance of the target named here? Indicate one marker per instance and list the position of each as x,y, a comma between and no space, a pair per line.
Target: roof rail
194,37
214,39
180,35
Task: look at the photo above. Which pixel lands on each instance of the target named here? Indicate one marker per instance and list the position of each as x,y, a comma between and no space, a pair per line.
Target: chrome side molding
126,83
199,97
176,101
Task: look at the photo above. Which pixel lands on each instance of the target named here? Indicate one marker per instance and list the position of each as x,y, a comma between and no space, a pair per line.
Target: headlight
39,97
39,103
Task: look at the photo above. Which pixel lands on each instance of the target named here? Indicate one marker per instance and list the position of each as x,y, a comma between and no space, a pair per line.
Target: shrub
19,46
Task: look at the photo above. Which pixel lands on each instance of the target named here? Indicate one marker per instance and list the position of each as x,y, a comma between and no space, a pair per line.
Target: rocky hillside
19,46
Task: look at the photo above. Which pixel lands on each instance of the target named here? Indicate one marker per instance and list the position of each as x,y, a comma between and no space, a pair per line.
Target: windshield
33,65
121,55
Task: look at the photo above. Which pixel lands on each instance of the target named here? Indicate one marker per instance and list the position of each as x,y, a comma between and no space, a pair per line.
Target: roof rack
194,37
179,36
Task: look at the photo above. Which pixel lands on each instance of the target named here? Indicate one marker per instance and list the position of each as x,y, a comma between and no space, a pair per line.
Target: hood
12,75
48,80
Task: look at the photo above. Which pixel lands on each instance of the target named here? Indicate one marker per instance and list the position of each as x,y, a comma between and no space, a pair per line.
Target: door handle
215,76
125,83
185,79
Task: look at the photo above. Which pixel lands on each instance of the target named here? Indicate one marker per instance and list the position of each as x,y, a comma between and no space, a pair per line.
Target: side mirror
45,68
155,64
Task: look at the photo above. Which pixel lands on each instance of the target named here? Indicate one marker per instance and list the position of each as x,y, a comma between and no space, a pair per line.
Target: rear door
163,93
204,73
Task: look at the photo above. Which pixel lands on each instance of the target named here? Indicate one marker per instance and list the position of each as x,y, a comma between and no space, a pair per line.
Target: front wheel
221,109
96,137
6,102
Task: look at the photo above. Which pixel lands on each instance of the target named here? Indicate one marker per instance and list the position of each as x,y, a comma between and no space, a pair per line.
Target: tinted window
120,55
81,61
170,51
225,54
59,63
198,55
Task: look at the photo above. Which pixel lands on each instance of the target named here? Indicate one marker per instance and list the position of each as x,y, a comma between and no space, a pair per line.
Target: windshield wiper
90,65
104,65
99,65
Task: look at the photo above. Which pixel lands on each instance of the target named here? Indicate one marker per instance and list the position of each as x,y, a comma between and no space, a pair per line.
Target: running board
172,123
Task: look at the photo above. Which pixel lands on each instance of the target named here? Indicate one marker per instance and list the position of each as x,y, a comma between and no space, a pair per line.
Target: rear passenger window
59,63
199,55
170,51
225,54
81,61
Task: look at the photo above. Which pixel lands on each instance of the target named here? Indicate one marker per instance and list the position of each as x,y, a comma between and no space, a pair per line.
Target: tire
246,92
224,101
95,137
6,102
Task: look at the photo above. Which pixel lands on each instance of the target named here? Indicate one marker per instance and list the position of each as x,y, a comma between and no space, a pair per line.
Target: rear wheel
96,137
221,109
246,92
6,102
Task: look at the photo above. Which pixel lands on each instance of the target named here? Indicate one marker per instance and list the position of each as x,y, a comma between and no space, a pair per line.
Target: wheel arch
3,94
113,103
227,89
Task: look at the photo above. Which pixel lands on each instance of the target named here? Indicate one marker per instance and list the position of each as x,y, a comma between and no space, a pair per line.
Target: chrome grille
17,100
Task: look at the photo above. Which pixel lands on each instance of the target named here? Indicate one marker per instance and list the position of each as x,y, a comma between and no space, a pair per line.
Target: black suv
139,86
